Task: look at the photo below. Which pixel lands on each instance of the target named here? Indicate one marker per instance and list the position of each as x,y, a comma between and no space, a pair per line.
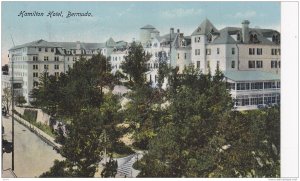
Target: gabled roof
148,27
248,75
205,27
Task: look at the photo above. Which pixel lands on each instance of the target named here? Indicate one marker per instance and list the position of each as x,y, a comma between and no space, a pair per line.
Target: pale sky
122,20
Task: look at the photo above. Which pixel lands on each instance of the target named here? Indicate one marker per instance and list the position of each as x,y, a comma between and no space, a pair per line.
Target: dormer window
238,37
276,38
253,38
209,38
182,43
199,29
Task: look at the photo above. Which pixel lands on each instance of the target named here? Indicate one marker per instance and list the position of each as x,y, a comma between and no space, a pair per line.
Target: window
259,51
208,66
178,55
242,86
218,64
198,64
197,39
46,67
35,58
278,64
232,51
35,67
35,84
46,49
52,49
56,58
257,85
233,64
218,50
278,52
273,64
40,49
273,51
56,66
269,85
74,59
259,64
208,51
35,74
251,51
184,55
46,58
251,64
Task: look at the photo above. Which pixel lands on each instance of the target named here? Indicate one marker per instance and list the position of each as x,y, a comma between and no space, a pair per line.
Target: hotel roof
250,75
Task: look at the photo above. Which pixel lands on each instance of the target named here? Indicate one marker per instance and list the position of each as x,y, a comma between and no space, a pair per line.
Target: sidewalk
44,136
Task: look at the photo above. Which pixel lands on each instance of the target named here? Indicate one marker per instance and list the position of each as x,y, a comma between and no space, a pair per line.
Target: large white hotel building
248,57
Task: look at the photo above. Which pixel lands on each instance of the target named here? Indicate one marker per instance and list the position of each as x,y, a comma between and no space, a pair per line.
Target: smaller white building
253,89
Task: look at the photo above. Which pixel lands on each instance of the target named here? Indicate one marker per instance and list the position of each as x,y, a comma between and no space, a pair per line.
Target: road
32,155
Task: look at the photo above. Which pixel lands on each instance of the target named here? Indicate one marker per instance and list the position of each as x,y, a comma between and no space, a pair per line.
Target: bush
121,148
30,115
141,145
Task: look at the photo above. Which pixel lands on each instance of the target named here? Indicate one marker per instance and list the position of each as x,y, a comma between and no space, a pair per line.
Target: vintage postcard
141,89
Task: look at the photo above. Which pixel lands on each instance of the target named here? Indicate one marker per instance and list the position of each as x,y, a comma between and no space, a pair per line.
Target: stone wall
41,116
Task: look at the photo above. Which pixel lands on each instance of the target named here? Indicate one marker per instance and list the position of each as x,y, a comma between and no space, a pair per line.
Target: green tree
80,88
20,100
135,64
110,168
7,98
205,138
83,148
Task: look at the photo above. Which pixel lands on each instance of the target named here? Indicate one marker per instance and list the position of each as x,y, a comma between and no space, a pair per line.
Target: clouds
246,15
180,12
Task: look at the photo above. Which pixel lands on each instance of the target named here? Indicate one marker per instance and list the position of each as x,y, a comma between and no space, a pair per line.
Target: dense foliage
188,130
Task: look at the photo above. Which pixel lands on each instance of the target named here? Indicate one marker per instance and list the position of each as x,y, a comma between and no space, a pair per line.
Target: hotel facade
248,57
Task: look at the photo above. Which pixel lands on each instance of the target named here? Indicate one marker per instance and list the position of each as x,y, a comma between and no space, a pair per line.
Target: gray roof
205,27
73,45
262,35
110,42
148,27
38,43
251,75
224,38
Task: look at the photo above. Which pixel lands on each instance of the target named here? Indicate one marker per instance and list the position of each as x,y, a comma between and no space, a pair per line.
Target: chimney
172,30
245,31
178,30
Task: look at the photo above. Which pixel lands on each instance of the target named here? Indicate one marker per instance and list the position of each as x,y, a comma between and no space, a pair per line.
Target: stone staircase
125,167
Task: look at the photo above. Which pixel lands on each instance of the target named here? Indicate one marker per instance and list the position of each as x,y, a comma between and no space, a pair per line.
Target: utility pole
12,111
105,160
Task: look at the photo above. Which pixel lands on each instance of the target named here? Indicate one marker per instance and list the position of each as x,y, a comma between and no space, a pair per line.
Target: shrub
121,148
